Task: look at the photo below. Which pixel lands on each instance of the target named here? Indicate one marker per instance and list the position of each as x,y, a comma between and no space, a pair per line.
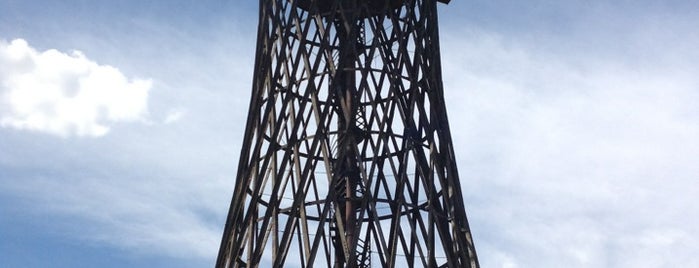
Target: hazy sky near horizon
575,123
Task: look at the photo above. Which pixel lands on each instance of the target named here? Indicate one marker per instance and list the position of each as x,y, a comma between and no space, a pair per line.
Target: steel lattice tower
347,158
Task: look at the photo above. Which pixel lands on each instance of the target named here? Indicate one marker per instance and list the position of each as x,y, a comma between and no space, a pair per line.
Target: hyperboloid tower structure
347,158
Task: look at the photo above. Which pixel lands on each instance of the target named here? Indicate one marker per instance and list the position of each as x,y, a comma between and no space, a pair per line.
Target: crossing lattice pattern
347,158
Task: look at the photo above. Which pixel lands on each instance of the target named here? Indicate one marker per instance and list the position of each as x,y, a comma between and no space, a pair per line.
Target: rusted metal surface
347,158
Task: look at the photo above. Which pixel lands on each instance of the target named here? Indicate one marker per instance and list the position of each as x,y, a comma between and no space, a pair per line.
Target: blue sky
575,123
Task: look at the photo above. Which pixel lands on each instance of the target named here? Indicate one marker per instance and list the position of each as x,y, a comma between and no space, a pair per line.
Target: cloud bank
574,161
65,94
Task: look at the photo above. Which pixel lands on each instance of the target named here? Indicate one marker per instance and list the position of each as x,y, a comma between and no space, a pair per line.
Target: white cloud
571,161
65,94
174,116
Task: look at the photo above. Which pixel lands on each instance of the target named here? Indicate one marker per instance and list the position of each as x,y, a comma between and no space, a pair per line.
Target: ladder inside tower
348,187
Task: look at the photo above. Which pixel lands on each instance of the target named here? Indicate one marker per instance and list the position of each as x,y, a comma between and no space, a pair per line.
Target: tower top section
325,6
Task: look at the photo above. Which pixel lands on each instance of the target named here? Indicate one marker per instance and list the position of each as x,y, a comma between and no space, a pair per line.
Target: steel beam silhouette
347,157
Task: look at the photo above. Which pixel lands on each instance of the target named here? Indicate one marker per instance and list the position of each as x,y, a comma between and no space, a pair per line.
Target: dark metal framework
347,158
